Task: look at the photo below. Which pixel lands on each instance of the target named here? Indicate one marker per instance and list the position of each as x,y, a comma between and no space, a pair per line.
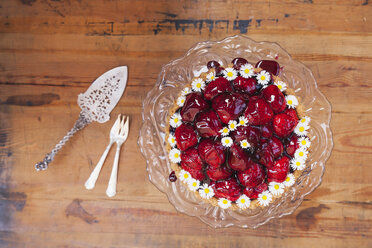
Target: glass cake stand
173,78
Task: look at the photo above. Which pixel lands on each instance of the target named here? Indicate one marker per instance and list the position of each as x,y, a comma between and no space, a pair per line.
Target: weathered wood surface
51,50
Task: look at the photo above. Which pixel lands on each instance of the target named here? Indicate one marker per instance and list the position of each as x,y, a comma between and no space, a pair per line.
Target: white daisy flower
263,77
281,85
181,101
305,120
172,140
292,101
232,125
298,164
264,198
301,154
246,71
175,120
243,202
243,121
245,144
230,73
211,76
193,184
276,188
227,141
224,203
198,85
185,176
301,129
224,131
175,155
289,180
304,142
206,191
186,91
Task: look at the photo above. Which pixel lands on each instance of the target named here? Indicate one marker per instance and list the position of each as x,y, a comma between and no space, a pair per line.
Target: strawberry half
279,171
229,189
186,136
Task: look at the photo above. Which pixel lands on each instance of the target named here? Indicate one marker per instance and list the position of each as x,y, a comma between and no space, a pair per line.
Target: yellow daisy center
182,100
290,102
198,85
173,140
300,154
264,197
225,130
303,120
242,201
176,120
279,86
229,74
176,155
298,163
287,179
227,141
301,129
232,125
242,122
212,77
245,144
263,77
303,142
186,175
194,184
246,71
206,190
276,186
224,201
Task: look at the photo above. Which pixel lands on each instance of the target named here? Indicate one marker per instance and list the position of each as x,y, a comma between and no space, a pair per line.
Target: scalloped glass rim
173,78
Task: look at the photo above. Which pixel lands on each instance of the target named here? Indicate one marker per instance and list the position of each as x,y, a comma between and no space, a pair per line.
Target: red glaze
252,134
292,145
228,189
216,87
196,174
194,103
213,64
258,112
275,98
270,66
208,124
246,85
212,152
266,155
238,62
191,158
293,113
228,106
254,192
238,158
219,70
276,147
252,176
279,171
220,173
284,125
267,130
185,136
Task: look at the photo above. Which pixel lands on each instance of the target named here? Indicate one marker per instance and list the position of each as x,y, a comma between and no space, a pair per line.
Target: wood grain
51,50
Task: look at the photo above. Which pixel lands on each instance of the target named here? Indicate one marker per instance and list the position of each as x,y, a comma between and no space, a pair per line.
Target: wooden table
52,50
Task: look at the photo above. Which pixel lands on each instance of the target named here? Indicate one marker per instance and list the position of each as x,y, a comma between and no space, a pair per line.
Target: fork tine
116,125
126,127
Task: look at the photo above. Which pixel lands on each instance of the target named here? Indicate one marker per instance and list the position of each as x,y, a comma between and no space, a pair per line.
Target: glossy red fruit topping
238,62
191,158
254,192
252,134
220,173
238,159
194,103
293,113
219,70
272,95
213,64
228,106
266,155
208,124
292,145
276,147
279,171
267,130
258,112
269,66
252,176
284,125
185,136
229,189
212,152
196,174
246,85
216,87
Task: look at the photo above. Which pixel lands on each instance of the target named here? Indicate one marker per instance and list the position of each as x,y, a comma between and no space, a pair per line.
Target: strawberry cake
237,135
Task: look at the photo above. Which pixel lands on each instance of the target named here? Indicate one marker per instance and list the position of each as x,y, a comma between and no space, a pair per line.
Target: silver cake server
96,104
